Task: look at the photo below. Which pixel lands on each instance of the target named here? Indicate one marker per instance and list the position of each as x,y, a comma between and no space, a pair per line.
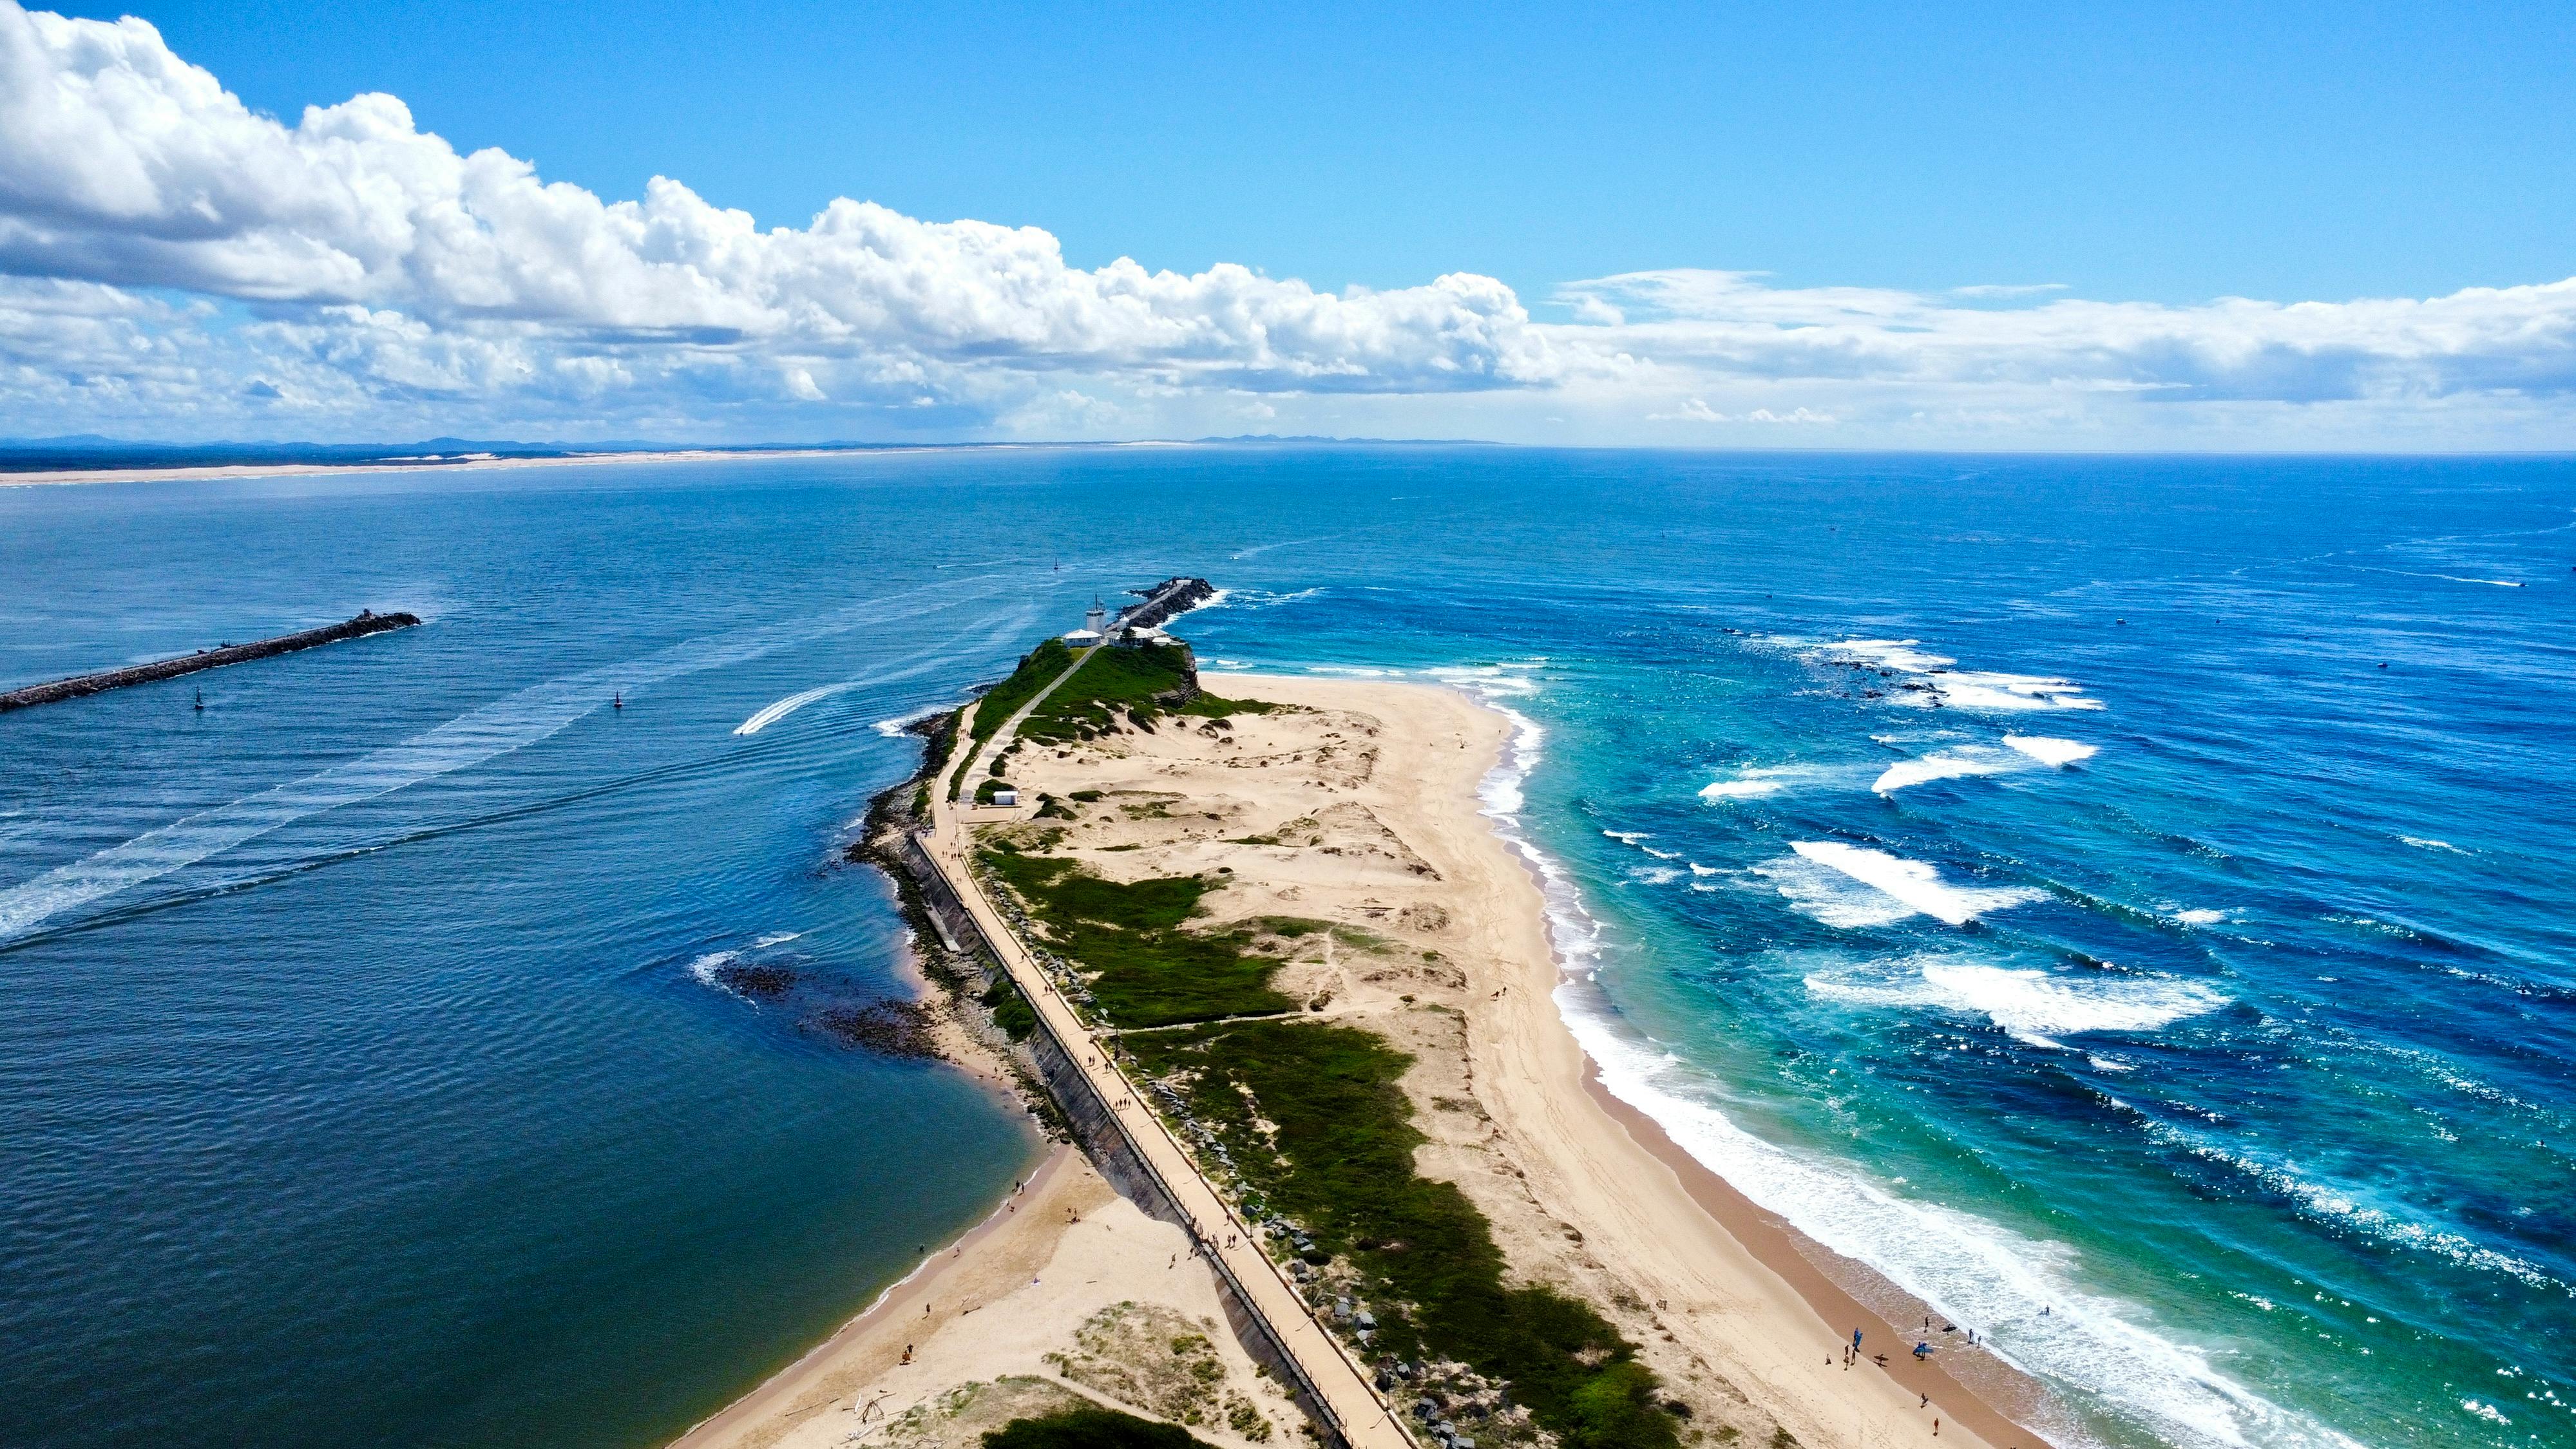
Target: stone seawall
367,622
1166,601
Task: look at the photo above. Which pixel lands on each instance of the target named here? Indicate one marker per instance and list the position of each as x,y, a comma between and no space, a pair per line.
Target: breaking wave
1912,884
2033,1006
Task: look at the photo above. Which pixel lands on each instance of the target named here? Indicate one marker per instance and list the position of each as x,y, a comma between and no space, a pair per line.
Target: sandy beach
1359,806
466,463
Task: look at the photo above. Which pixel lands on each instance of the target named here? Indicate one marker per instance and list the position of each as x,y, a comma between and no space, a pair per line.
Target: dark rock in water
760,983
893,1028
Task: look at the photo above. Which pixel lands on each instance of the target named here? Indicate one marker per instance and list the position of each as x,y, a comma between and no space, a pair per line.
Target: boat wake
505,725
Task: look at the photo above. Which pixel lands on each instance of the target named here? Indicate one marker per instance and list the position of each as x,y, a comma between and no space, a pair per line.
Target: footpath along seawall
367,622
1109,1139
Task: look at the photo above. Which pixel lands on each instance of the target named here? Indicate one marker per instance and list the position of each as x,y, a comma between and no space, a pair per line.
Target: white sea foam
705,968
478,735
2199,917
1699,869
1753,781
2059,753
1914,884
2002,692
2029,1005
1830,896
1944,765
1661,854
897,727
1973,1271
1490,681
1934,682
775,938
1627,837
2427,843
2349,1208
1656,874
1253,598
1899,654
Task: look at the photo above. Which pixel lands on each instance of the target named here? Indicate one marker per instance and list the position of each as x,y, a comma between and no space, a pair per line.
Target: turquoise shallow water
365,1077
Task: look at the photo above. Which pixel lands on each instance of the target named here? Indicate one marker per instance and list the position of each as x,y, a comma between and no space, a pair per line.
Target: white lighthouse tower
1095,627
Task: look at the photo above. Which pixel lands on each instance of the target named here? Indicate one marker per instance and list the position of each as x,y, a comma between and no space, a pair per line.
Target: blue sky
2168,153
2149,156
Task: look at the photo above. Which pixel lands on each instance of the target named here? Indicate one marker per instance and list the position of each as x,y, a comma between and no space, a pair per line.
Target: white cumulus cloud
174,263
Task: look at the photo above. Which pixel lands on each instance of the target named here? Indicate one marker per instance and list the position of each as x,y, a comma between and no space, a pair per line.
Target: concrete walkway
1365,1419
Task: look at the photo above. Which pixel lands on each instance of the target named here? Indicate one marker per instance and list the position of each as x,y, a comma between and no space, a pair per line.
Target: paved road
1367,1421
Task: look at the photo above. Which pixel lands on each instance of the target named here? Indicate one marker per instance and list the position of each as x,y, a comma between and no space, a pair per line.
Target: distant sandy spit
441,465
473,463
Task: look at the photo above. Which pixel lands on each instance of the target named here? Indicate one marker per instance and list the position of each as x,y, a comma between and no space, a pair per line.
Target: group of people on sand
1922,1350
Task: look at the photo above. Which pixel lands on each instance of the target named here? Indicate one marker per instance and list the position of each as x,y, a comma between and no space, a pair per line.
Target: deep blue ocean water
2021,873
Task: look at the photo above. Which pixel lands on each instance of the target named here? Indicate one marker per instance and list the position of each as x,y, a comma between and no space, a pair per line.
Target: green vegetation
984,792
1152,970
1091,1429
1011,1011
1037,670
1343,1167
1120,681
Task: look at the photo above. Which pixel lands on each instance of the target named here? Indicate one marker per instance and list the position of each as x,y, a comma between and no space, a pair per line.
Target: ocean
2126,902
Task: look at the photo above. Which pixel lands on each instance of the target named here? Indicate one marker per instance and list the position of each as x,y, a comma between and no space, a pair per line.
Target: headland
1268,943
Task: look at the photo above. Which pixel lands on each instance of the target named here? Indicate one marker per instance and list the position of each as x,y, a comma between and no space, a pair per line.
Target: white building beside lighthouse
1095,627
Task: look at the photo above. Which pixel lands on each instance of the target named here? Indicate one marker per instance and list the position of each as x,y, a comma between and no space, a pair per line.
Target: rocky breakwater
1165,601
367,622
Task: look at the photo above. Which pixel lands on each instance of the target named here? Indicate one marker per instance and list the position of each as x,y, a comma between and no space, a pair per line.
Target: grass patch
984,793
1208,706
1037,668
1091,1429
1153,971
1343,1167
1011,1011
1114,682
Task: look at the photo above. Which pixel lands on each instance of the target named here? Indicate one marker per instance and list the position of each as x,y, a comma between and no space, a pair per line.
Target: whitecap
1829,896
1628,837
1901,654
2199,917
2001,692
2054,752
1656,874
2426,843
1661,854
1914,884
2029,1005
1698,869
1739,789
1943,765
